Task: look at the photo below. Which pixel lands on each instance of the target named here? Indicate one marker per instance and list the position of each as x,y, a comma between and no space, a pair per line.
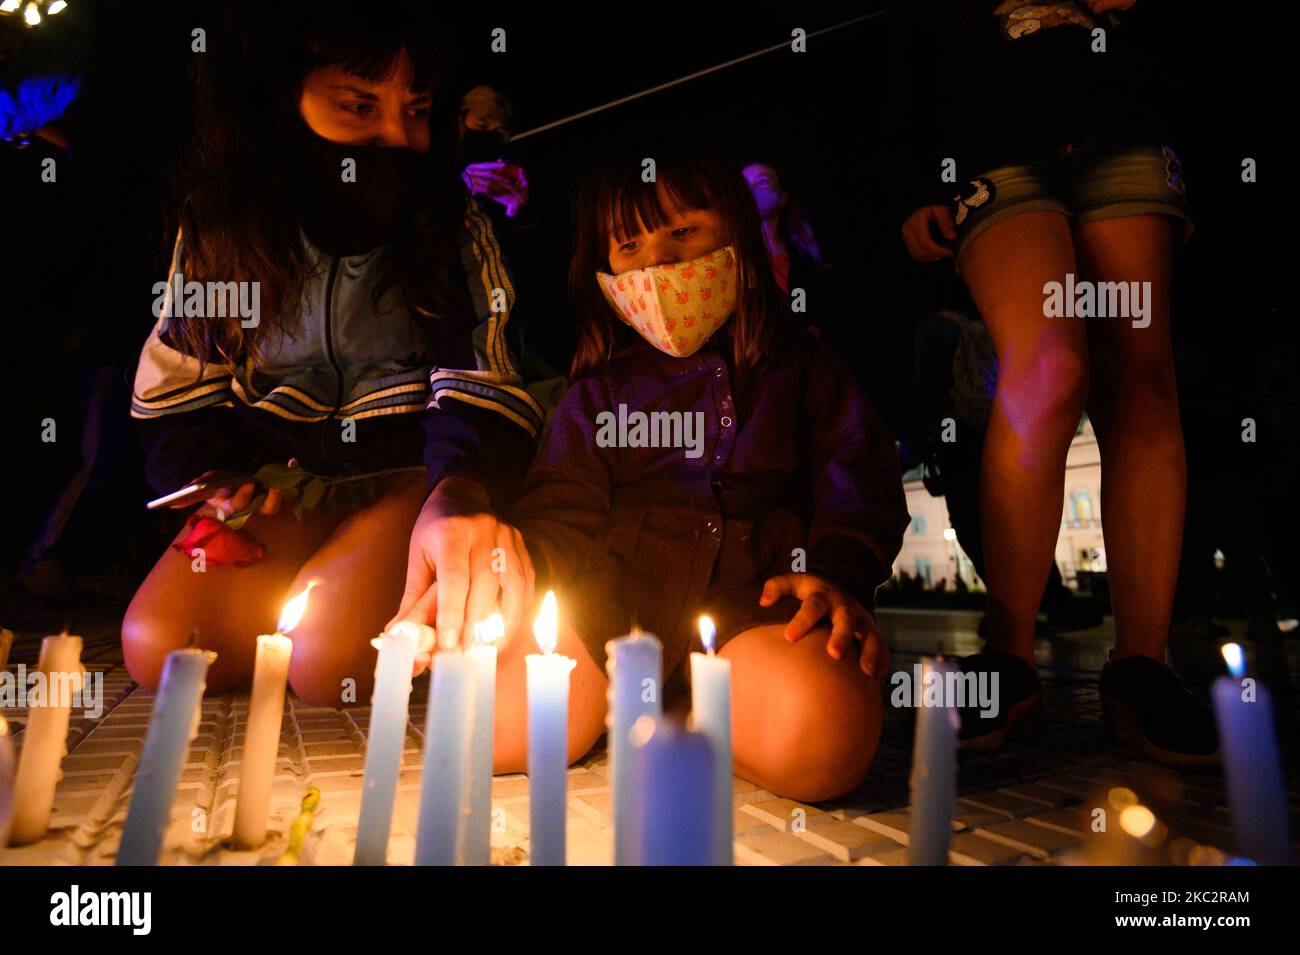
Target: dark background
79,261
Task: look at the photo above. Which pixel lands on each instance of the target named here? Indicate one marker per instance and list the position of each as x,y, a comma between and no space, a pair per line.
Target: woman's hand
919,238
232,501
460,556
849,619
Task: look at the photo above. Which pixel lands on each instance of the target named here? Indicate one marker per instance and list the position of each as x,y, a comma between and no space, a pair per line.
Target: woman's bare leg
1042,387
803,724
1133,406
227,606
359,571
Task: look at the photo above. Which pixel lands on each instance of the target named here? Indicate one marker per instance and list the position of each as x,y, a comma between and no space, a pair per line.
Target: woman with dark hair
791,245
760,489
324,186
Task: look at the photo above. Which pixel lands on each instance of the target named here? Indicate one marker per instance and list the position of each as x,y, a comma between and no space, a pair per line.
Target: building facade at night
931,551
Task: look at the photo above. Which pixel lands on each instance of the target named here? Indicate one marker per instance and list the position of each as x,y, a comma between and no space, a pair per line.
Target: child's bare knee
825,745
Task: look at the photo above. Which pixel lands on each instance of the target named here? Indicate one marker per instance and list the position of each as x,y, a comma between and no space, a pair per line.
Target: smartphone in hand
203,488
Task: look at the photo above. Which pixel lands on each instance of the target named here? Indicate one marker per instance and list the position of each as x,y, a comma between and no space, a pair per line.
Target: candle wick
194,638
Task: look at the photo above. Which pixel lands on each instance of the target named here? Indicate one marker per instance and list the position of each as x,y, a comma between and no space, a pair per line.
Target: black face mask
372,207
481,145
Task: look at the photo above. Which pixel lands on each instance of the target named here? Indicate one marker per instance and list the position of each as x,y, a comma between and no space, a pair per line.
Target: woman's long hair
793,225
690,173
239,205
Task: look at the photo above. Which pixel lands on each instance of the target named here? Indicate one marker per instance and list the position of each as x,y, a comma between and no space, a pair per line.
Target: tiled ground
1031,803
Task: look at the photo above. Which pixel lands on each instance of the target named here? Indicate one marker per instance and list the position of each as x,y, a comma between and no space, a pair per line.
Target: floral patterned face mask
676,307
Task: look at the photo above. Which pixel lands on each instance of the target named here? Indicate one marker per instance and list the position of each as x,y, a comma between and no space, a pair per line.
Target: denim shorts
1086,183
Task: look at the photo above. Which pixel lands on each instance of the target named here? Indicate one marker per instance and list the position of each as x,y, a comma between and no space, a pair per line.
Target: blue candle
634,664
388,715
476,836
711,715
1248,742
548,741
446,758
673,810
934,772
173,723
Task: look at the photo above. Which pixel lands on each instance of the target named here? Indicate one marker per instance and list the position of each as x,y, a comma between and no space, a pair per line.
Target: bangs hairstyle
613,199
238,195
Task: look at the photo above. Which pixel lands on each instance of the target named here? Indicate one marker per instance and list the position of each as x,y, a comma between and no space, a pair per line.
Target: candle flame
490,630
292,613
1235,658
708,633
1137,820
544,627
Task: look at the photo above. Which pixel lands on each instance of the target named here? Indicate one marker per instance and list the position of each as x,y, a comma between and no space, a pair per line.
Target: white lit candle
548,740
262,730
443,782
8,767
172,725
673,811
934,772
1248,744
45,739
634,665
711,715
476,836
389,708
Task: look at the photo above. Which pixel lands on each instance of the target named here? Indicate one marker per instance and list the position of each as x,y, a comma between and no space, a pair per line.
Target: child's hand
849,619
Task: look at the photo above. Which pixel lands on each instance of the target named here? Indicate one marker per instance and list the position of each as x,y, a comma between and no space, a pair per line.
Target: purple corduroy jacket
794,461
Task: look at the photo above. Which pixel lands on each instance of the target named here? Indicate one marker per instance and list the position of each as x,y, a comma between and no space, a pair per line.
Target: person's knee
584,730
1049,387
151,630
326,669
510,744
148,635
1145,382
825,738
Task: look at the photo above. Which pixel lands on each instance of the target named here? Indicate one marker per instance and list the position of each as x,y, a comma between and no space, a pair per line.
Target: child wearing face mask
711,458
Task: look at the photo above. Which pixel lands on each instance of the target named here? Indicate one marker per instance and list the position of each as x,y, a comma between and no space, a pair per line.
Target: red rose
220,544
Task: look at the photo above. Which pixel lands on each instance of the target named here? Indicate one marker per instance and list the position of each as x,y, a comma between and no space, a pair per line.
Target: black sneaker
1145,704
1019,702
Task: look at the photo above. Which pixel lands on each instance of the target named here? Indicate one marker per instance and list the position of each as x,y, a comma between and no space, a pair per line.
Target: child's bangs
629,205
